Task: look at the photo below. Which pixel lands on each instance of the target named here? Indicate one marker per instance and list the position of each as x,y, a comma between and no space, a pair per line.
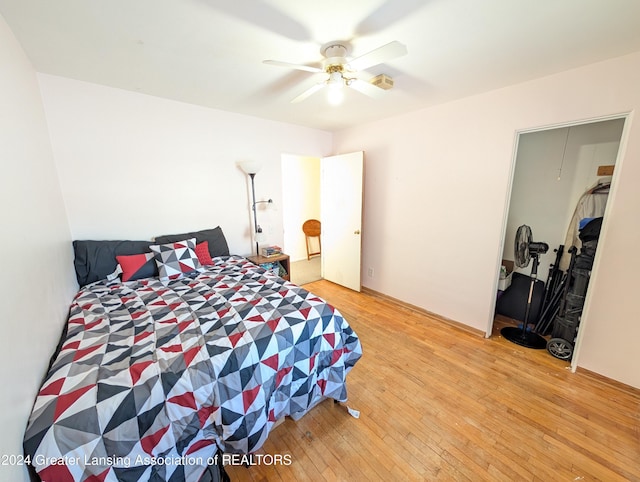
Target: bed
156,374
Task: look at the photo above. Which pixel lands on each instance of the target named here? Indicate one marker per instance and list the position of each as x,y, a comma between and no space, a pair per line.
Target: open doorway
301,202
562,177
328,190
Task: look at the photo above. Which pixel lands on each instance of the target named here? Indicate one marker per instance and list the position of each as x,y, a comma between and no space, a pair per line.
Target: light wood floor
437,402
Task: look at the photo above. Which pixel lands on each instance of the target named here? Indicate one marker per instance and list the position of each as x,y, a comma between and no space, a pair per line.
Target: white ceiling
210,52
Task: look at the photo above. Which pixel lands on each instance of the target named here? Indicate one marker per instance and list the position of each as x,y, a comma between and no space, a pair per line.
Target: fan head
521,255
525,248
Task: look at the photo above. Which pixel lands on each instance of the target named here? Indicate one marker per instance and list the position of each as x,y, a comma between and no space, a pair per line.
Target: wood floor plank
440,403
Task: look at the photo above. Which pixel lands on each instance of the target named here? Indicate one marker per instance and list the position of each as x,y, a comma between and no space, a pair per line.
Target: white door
341,217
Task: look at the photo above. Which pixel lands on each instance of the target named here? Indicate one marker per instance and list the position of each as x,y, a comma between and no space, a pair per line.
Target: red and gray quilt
153,378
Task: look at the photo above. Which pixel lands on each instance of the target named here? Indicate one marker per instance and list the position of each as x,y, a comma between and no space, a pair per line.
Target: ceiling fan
342,72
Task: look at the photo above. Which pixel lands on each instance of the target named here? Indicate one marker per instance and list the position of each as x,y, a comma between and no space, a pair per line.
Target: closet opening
561,183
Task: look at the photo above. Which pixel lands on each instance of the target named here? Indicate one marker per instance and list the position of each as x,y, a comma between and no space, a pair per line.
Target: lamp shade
250,167
260,237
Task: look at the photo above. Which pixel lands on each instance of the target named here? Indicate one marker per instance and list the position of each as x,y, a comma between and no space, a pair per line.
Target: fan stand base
524,338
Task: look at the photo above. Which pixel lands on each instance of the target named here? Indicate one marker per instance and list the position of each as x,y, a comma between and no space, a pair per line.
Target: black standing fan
524,251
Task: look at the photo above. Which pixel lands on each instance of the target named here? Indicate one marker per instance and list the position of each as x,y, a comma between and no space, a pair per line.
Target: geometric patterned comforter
153,378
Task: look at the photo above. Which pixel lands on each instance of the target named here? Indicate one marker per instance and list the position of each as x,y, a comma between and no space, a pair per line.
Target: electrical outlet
370,272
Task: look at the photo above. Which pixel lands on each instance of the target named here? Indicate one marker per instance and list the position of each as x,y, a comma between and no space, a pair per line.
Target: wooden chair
311,229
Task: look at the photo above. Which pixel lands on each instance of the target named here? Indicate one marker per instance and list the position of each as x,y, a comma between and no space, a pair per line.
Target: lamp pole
251,168
252,175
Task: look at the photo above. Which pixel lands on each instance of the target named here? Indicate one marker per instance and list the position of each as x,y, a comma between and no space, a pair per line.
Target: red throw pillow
202,252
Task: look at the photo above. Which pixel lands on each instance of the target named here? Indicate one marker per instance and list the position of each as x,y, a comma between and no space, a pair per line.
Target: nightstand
282,258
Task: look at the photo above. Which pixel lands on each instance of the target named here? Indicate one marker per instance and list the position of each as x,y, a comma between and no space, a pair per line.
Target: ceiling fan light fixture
335,80
336,65
335,84
335,94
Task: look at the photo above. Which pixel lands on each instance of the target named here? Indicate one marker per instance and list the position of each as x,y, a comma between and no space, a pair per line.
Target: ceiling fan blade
306,68
366,88
380,55
310,91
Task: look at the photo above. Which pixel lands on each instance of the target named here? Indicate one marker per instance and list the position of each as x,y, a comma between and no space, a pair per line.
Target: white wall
37,282
437,182
554,168
301,200
134,166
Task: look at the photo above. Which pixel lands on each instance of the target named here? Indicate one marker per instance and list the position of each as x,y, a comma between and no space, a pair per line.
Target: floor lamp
251,168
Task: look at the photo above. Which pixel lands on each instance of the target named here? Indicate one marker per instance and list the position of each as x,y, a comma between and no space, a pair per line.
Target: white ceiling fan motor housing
336,54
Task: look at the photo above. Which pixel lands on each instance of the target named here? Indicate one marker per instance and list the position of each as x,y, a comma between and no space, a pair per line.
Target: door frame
299,158
612,194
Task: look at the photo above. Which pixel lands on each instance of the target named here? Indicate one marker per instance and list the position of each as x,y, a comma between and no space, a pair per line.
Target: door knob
357,231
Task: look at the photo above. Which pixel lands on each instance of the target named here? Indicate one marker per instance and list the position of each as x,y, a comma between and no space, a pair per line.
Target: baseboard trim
435,316
609,381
